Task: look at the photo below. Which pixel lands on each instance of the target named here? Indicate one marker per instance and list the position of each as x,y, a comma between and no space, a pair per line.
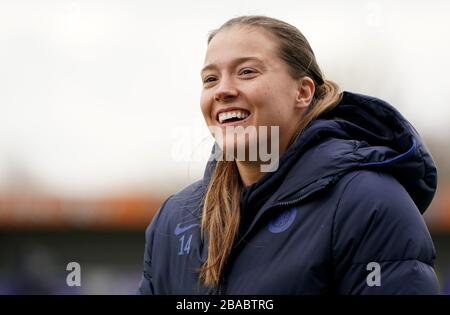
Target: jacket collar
361,132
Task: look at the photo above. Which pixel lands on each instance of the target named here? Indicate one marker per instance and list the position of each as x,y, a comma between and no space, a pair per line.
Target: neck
250,172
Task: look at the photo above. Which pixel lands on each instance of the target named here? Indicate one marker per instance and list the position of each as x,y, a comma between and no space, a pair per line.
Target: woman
341,214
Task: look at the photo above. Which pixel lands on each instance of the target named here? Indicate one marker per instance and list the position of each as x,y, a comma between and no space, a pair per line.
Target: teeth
232,114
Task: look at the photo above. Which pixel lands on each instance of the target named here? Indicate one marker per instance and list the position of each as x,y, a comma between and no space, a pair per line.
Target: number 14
185,247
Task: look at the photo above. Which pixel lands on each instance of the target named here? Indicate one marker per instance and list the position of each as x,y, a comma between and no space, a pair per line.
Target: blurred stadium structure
41,234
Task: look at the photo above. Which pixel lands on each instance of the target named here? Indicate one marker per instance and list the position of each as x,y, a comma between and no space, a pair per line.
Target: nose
226,91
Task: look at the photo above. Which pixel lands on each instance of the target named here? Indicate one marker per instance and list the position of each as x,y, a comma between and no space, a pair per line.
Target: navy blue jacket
341,215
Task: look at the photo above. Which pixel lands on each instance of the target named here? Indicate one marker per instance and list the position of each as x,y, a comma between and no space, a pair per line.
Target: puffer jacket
341,215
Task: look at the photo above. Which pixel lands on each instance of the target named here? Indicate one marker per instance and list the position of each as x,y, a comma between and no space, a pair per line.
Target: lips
231,116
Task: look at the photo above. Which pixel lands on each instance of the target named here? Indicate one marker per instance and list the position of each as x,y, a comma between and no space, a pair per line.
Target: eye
209,79
247,71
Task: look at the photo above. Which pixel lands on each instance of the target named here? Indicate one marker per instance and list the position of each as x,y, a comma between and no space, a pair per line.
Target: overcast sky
103,96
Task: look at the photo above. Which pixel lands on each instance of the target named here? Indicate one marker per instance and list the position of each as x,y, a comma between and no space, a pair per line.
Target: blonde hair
221,206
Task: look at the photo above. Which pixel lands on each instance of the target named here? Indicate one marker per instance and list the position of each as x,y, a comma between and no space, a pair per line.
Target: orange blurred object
131,211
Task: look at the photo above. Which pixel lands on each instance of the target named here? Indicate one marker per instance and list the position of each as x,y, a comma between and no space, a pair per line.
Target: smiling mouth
232,116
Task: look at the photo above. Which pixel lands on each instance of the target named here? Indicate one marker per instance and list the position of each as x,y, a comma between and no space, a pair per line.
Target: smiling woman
340,215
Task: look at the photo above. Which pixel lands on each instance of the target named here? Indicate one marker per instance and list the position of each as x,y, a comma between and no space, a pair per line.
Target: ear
305,92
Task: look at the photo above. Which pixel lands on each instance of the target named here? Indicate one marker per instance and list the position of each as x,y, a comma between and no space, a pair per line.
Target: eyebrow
234,62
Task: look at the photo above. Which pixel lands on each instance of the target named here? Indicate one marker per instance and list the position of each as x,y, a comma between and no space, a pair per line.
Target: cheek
279,99
268,103
260,97
205,106
274,109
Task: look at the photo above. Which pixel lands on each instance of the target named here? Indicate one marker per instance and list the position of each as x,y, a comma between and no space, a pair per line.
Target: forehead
239,41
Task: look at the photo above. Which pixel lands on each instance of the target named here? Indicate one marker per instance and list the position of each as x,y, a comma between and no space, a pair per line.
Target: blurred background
100,118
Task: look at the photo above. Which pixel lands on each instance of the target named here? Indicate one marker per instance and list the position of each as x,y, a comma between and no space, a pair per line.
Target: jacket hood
361,132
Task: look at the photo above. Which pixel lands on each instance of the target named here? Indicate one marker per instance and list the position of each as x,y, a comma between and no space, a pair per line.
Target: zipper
279,204
288,203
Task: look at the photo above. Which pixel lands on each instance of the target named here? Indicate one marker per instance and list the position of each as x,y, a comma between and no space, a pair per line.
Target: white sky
94,93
